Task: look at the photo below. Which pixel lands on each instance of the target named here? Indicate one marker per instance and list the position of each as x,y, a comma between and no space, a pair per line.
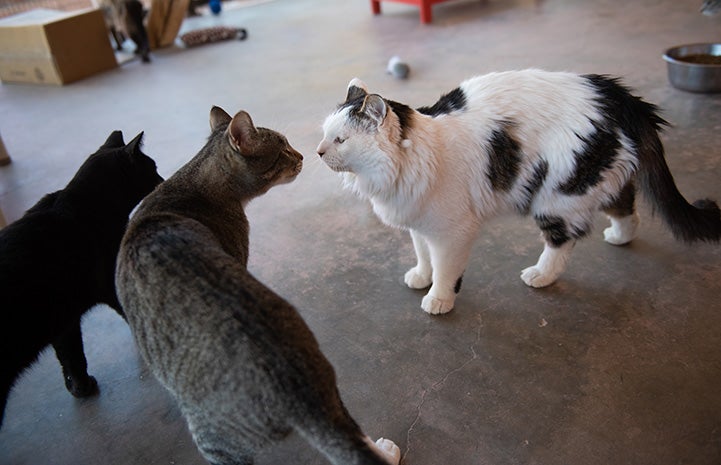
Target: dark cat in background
126,18
58,261
244,367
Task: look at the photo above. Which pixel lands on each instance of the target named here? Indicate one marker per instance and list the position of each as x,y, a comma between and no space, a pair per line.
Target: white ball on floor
398,68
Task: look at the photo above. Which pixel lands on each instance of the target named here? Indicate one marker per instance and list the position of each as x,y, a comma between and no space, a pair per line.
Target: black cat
58,261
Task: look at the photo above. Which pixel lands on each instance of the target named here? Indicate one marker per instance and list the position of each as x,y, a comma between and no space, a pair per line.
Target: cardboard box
54,47
164,21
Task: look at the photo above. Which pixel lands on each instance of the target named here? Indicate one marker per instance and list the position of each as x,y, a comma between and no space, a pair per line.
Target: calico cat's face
267,155
355,136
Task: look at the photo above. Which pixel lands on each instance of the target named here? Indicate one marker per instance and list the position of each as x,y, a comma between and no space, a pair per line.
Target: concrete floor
617,363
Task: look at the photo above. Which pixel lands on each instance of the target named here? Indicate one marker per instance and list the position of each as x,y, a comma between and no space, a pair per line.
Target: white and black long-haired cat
554,146
58,261
244,367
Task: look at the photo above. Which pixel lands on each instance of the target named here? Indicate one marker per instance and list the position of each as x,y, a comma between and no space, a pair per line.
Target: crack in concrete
437,385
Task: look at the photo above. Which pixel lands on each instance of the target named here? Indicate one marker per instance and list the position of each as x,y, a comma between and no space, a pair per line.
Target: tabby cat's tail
688,223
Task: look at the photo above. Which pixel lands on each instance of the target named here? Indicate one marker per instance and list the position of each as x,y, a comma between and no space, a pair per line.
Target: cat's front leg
69,351
449,257
420,276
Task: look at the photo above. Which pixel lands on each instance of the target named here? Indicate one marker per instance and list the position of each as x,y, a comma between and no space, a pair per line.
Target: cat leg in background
449,257
69,351
624,219
133,19
419,277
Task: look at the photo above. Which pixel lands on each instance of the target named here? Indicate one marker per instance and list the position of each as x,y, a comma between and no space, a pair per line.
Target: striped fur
554,146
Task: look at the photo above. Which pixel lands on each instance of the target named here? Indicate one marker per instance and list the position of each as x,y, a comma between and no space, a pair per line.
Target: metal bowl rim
676,61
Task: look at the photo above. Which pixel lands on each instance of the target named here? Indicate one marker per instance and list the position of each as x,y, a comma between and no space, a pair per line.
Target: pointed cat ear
134,145
356,89
375,107
114,141
242,132
218,116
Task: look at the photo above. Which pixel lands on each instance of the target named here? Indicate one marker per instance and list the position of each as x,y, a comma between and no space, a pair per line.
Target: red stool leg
376,7
426,15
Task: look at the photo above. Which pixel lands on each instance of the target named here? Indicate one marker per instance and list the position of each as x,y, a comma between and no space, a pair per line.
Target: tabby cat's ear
242,132
356,89
218,117
114,141
375,107
134,145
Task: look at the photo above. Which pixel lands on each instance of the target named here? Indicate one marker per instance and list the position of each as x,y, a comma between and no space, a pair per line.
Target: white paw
612,236
391,451
622,231
416,280
436,306
534,277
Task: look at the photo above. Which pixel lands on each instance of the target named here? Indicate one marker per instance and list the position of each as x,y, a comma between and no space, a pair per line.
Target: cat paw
615,237
85,388
436,306
622,230
534,277
390,450
416,280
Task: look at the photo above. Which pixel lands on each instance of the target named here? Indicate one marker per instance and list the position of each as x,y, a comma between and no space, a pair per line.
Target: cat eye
338,140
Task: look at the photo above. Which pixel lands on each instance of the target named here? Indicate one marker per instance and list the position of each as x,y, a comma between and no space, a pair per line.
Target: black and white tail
688,223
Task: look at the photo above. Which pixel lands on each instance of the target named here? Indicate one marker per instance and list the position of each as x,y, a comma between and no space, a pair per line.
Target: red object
424,5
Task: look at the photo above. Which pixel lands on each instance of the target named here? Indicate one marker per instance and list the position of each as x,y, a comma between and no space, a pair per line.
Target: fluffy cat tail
688,223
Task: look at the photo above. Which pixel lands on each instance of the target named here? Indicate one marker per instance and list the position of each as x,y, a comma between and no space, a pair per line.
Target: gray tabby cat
244,367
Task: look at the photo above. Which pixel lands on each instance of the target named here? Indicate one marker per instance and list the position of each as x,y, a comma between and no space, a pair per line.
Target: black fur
531,187
405,116
600,150
641,124
454,100
459,283
624,204
504,159
355,100
554,229
58,261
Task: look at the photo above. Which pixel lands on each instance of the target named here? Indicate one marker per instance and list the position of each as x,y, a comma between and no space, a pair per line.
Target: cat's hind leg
624,219
69,351
420,276
551,264
559,238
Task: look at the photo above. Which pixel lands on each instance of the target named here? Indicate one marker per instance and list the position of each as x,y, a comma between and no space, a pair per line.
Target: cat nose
321,148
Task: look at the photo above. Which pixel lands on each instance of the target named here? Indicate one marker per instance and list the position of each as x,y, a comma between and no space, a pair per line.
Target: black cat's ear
356,89
114,141
218,117
242,133
133,147
375,107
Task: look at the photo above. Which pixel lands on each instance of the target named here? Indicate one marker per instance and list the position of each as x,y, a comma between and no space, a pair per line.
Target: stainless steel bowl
694,77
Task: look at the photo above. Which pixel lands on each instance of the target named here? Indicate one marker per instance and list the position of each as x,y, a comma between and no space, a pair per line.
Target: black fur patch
623,204
504,159
404,114
454,100
459,283
361,120
598,155
530,188
554,229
